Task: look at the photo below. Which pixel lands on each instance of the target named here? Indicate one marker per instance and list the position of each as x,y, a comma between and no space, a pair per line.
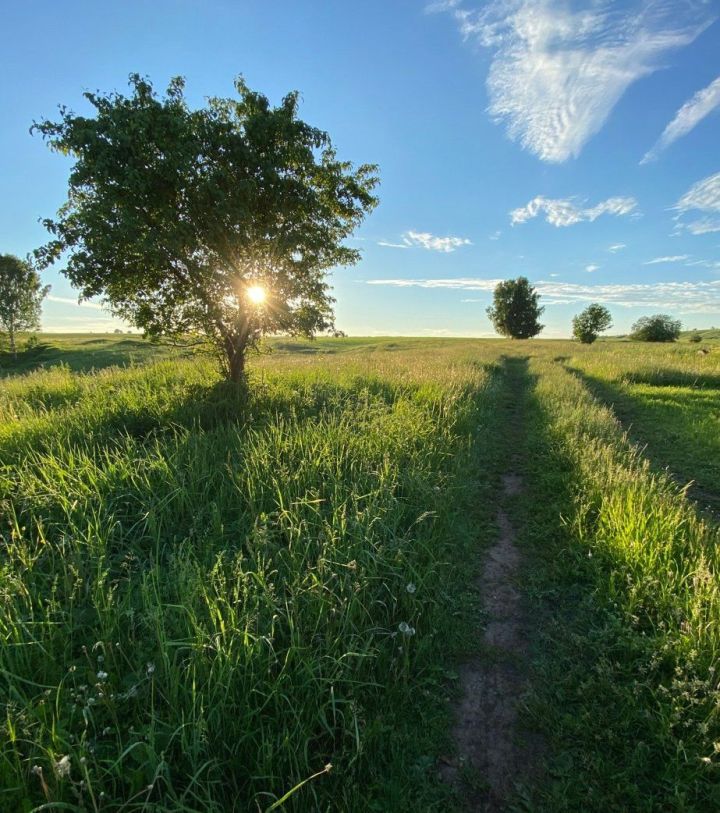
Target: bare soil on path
493,756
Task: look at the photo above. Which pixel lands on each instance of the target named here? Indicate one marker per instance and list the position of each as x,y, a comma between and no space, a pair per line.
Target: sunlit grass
205,594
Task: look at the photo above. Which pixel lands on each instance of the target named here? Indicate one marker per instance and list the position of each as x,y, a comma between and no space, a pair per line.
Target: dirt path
491,759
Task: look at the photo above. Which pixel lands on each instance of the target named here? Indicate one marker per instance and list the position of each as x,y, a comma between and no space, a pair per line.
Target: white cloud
66,300
556,74
495,235
565,212
687,117
714,264
386,244
591,268
674,259
428,241
703,196
616,247
707,225
677,297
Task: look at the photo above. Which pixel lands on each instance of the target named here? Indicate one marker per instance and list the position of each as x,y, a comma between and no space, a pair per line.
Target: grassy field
214,600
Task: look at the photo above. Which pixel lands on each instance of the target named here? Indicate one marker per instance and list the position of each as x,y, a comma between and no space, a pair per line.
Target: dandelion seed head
410,587
62,766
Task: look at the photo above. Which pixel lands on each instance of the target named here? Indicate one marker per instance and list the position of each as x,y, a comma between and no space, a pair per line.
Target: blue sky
575,143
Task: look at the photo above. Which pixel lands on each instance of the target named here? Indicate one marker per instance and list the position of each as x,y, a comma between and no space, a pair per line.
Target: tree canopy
657,328
516,309
220,221
591,322
21,296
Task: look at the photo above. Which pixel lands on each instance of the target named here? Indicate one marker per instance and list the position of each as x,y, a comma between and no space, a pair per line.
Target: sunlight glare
256,294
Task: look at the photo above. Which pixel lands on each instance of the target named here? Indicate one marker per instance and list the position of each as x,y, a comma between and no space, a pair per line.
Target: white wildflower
406,629
62,767
410,587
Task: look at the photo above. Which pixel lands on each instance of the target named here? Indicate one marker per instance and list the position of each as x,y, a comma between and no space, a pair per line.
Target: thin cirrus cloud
565,212
680,297
592,268
704,197
675,258
556,73
430,242
66,300
687,117
613,249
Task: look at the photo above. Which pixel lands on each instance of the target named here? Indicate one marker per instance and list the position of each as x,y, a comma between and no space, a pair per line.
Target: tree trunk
13,348
235,352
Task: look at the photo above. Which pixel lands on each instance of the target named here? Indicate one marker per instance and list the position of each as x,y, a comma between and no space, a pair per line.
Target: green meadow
215,598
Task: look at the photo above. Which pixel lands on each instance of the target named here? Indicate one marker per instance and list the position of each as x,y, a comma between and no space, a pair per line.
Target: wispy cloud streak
703,196
430,242
565,212
687,117
557,73
679,297
66,300
676,258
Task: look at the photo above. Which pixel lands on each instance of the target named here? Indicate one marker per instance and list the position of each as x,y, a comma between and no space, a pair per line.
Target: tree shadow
597,667
86,355
202,406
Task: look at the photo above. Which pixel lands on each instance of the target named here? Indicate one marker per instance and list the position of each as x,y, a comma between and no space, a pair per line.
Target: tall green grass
629,688
208,597
668,399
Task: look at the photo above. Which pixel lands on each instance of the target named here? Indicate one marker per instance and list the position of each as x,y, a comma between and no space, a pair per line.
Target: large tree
220,221
591,322
516,309
21,296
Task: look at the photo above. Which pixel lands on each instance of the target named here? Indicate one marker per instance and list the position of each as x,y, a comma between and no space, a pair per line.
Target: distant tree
515,310
589,324
695,337
657,328
220,222
21,296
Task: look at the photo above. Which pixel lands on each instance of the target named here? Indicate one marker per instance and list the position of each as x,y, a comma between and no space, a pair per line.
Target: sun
256,294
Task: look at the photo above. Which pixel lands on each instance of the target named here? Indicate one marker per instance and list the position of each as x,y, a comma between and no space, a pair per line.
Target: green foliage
588,325
657,328
515,310
21,296
695,337
173,214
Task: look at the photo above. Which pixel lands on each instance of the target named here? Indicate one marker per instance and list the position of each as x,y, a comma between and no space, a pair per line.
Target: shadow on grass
204,407
667,425
84,355
666,377
598,672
